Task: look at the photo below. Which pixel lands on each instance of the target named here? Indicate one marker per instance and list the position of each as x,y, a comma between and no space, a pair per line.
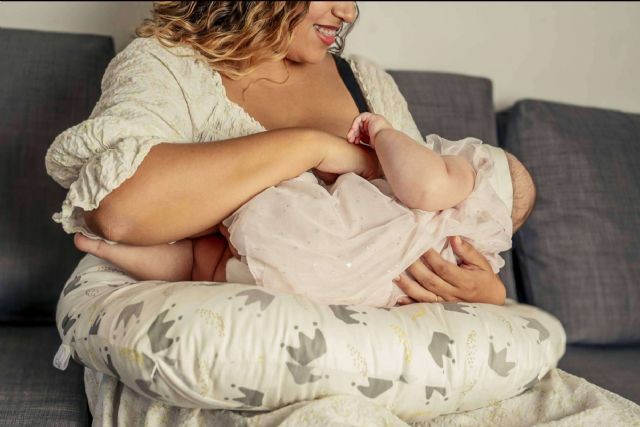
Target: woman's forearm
419,177
181,190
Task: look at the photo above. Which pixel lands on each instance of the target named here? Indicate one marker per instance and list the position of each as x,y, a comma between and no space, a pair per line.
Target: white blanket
559,399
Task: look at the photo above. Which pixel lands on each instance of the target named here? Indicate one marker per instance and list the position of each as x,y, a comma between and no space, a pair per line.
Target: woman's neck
283,70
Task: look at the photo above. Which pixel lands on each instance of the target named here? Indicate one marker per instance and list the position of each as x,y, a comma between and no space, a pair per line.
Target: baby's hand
365,127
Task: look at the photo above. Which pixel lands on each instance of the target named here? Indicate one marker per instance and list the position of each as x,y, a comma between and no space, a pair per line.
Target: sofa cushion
32,391
48,82
578,252
610,367
454,106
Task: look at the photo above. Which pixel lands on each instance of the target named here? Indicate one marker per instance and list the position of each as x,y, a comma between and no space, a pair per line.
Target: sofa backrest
48,83
578,252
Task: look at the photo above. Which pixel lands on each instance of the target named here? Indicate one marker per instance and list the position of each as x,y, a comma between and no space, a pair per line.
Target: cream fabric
152,95
197,344
560,399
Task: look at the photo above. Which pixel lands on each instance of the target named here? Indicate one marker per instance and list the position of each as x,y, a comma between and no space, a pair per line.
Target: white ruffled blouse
152,94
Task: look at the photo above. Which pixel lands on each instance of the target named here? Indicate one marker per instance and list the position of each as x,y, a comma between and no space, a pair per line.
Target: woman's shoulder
374,79
143,52
362,61
148,62
152,46
376,83
383,94
364,67
173,78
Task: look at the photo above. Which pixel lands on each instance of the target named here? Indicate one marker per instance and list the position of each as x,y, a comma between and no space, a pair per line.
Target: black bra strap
350,81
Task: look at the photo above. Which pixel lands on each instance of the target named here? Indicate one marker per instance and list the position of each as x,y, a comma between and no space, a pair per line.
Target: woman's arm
159,105
179,190
184,190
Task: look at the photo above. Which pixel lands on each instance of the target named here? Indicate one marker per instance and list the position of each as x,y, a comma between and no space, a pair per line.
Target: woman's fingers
468,253
447,271
429,280
472,281
413,289
405,301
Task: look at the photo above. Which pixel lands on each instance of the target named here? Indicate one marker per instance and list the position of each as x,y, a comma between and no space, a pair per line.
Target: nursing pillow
235,346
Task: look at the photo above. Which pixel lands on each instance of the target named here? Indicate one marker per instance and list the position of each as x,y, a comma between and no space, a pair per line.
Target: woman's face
307,44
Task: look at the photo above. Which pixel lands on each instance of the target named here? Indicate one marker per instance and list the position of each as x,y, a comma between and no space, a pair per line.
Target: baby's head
524,192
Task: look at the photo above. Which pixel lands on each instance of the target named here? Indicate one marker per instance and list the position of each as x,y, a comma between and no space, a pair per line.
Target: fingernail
397,278
457,240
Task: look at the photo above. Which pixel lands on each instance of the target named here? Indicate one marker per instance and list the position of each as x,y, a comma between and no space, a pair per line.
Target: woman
176,142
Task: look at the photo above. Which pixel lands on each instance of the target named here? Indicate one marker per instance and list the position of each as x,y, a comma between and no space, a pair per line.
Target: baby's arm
419,177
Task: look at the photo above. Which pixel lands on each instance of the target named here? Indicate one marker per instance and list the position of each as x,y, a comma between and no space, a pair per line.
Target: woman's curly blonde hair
233,37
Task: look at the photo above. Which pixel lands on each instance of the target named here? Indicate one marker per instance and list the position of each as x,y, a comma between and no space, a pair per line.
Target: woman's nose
345,10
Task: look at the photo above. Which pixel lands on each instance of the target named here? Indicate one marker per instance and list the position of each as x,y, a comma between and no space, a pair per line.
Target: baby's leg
172,263
210,255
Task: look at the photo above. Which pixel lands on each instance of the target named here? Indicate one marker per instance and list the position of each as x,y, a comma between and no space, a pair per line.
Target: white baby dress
344,243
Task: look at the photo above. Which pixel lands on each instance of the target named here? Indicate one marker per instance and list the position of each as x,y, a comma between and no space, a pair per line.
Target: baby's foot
85,244
168,262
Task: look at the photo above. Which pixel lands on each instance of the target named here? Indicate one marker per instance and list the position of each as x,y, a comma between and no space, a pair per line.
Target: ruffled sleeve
143,103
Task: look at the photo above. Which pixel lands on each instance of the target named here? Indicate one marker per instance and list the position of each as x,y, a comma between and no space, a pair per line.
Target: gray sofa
575,257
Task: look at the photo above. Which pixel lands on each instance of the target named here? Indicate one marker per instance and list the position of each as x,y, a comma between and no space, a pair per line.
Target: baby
344,243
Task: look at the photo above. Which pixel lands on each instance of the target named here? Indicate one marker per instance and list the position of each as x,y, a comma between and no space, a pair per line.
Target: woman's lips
328,40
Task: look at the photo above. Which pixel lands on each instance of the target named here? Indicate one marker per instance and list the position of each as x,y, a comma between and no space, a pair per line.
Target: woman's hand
341,157
472,281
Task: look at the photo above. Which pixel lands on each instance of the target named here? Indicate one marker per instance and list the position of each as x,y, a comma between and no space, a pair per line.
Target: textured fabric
150,96
48,82
351,239
453,106
32,392
200,344
559,399
610,367
579,250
